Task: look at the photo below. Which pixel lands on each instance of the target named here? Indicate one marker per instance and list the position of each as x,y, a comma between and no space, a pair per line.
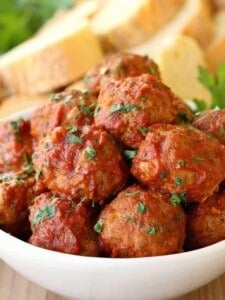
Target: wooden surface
15,287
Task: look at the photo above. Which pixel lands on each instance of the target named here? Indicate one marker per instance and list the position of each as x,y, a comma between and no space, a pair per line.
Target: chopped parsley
67,99
144,99
143,130
85,109
178,198
38,175
153,70
134,193
141,207
131,219
73,139
151,230
124,108
130,154
182,117
96,110
178,181
99,226
16,129
90,152
182,162
197,158
222,129
163,175
71,129
15,125
46,212
56,97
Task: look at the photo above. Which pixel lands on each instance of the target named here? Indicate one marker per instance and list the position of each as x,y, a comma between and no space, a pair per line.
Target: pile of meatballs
124,169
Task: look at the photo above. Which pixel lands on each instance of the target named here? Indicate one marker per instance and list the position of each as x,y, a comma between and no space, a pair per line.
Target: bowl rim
108,260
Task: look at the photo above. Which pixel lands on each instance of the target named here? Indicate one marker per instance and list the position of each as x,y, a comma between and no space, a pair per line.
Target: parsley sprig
215,84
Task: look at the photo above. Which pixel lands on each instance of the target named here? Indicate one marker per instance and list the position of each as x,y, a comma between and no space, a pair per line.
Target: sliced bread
194,19
18,103
215,53
122,24
178,64
50,61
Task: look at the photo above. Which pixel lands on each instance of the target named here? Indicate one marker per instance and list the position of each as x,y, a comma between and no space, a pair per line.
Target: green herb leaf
96,110
163,175
143,130
38,175
15,126
19,20
90,152
134,193
151,230
99,226
85,109
178,198
197,158
73,139
124,108
141,207
56,97
46,212
131,219
182,162
130,154
200,105
178,181
215,85
71,129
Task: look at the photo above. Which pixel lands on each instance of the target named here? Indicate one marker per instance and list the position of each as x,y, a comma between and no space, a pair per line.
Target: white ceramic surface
150,278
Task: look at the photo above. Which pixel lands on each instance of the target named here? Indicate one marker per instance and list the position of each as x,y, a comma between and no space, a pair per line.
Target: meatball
84,166
206,222
62,225
16,193
213,123
15,144
72,108
141,222
119,66
126,108
181,160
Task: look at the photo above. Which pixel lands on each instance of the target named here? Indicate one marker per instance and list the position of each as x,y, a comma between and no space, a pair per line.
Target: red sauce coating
71,108
83,166
213,123
15,144
141,222
180,159
206,222
129,106
119,66
61,225
17,191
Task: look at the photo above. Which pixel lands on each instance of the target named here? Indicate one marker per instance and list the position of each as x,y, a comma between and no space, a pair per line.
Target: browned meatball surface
212,122
206,222
126,108
72,108
119,66
16,193
15,144
61,225
181,160
84,165
139,223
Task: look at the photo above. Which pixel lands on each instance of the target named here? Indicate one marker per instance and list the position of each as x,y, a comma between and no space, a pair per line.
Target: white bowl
161,277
